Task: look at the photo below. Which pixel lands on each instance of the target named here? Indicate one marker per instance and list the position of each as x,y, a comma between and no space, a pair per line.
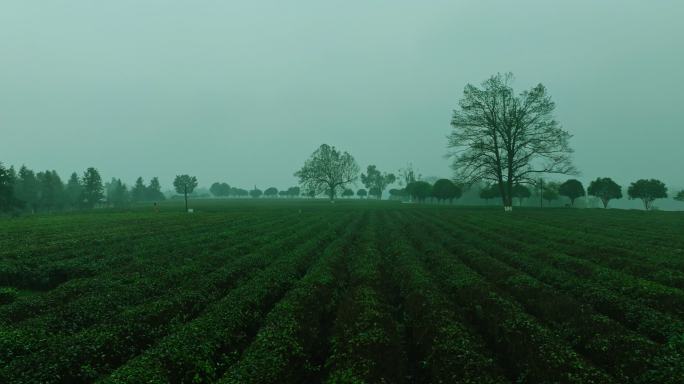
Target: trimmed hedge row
288,347
201,350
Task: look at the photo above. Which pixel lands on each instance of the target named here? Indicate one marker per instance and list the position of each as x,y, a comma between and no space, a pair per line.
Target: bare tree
506,139
328,171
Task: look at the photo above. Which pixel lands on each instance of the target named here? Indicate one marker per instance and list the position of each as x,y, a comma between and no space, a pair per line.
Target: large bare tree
505,138
328,171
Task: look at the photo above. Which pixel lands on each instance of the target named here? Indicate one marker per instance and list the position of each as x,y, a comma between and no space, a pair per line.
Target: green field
376,292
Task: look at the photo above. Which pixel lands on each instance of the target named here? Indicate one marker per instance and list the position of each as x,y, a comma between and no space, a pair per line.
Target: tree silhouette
648,191
680,196
139,190
74,191
505,138
521,192
572,189
375,181
271,192
185,184
93,191
605,189
220,189
328,171
551,191
256,193
7,200
489,192
419,190
445,189
154,192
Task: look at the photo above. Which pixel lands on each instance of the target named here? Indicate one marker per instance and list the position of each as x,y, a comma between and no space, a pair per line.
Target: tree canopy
445,189
605,189
7,199
117,193
220,189
376,181
328,171
293,191
256,193
680,196
489,192
93,190
551,191
419,190
507,139
572,189
521,192
648,191
185,185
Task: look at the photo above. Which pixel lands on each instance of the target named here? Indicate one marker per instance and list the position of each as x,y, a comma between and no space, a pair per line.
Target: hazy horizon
244,92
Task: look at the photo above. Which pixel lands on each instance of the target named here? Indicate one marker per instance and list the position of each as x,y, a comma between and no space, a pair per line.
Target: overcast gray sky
244,91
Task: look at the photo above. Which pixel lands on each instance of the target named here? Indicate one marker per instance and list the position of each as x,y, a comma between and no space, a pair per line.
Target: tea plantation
352,292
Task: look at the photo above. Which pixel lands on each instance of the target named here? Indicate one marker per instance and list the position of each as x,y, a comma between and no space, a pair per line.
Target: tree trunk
186,198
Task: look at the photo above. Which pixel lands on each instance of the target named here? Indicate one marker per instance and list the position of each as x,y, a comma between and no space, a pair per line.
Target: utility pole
541,193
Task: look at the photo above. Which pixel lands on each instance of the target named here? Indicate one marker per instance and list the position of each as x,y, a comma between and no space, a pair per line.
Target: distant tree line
25,190
604,189
223,190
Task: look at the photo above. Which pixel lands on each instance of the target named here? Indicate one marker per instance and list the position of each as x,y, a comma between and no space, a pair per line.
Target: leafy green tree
572,189
283,193
117,193
293,191
507,138
551,191
521,192
376,181
184,185
220,189
361,193
50,191
348,193
605,189
489,192
419,190
139,191
680,196
7,200
271,192
648,191
445,189
26,188
73,192
93,191
154,192
256,193
239,192
328,170
397,193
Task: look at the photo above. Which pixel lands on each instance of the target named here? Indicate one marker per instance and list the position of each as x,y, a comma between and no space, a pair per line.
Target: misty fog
243,91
